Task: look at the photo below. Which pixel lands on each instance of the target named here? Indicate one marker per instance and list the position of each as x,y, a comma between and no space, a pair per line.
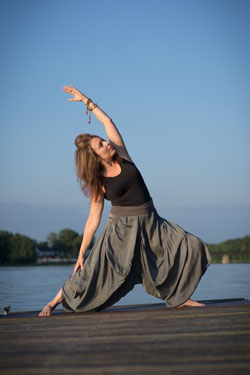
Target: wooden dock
141,339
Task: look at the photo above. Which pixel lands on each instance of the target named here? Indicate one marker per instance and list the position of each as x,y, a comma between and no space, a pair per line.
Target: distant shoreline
66,262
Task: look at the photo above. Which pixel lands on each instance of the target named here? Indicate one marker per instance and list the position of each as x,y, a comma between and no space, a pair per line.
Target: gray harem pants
137,246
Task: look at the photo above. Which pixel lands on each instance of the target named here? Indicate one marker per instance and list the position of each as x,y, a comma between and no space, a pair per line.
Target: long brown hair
89,169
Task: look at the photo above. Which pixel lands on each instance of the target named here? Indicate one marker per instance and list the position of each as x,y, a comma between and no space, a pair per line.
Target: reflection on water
30,288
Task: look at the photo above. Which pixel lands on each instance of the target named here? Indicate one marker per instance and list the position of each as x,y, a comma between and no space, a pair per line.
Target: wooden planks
133,340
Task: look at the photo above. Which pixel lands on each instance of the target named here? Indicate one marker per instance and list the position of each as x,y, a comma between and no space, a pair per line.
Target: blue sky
173,75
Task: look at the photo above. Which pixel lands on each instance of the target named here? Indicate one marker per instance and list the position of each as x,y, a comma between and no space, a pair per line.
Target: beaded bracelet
94,106
90,109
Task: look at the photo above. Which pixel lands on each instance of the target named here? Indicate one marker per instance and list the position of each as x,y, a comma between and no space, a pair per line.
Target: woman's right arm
91,226
111,130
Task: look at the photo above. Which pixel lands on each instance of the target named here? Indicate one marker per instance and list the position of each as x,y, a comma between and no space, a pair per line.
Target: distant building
48,253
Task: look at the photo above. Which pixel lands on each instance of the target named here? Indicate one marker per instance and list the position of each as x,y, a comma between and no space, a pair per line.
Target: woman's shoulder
122,152
126,160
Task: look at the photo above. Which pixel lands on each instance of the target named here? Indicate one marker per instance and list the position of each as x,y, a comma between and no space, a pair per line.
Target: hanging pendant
89,119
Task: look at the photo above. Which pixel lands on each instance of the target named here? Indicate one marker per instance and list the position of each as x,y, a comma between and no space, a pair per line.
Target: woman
136,245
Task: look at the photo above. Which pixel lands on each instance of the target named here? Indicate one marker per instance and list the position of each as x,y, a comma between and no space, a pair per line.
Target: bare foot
46,311
191,303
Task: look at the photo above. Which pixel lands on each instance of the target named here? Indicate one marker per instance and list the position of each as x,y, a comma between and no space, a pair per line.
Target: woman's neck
111,168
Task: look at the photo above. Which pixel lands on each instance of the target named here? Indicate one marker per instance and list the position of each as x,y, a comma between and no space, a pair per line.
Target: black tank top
128,188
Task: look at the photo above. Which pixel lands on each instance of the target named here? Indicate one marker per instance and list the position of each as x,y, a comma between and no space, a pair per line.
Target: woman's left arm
112,132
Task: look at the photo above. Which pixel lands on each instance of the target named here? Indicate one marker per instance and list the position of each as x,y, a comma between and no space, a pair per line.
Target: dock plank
136,340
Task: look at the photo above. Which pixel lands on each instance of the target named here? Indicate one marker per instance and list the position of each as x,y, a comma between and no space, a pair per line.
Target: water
30,288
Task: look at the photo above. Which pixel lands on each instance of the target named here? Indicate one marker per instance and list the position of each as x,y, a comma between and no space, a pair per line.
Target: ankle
51,304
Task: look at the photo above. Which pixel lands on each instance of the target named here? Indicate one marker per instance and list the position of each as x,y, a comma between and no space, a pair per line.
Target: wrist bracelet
90,109
87,105
94,106
88,102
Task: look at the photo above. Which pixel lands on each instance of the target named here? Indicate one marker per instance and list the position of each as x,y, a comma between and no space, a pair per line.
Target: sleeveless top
128,188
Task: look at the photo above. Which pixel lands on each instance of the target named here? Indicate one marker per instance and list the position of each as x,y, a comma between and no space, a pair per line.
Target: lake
30,288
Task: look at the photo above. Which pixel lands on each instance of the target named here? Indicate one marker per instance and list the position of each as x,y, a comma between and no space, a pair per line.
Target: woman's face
102,148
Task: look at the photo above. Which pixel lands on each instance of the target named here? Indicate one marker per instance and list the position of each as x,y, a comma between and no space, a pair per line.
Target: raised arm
91,226
112,132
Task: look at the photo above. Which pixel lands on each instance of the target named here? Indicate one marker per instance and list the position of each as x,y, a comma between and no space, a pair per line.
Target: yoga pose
136,245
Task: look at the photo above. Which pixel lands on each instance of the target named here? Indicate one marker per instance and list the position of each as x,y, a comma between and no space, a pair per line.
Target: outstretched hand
77,95
79,263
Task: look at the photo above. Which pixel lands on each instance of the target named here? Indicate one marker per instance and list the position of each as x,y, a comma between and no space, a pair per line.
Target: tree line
21,249
237,245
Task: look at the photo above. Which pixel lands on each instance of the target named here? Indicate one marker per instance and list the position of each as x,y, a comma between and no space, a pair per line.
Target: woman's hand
77,95
79,263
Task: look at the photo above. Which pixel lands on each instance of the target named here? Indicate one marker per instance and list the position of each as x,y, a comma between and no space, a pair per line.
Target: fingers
66,88
70,90
76,268
78,265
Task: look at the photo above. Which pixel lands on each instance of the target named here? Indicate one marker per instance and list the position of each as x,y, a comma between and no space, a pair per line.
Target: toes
45,312
191,303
